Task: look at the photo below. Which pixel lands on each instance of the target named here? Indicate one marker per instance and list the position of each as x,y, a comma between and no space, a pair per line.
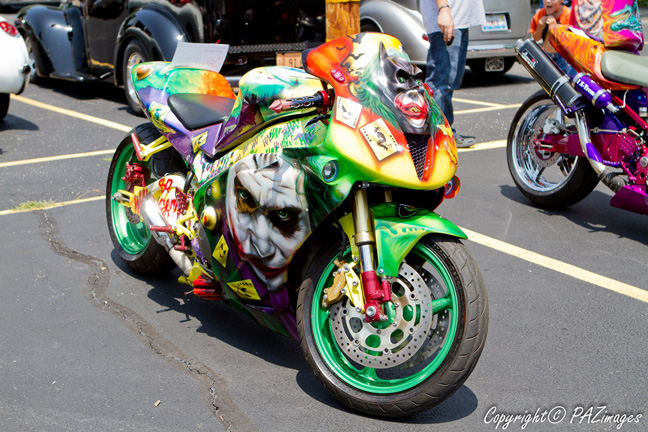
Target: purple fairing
632,198
278,301
166,121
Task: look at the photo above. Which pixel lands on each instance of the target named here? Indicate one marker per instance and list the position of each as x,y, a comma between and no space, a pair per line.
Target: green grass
32,205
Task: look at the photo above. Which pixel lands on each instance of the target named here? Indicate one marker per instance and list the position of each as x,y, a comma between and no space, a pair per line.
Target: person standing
446,23
553,12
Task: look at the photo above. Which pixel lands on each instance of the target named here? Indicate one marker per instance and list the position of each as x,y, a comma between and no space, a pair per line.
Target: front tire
130,236
550,180
417,358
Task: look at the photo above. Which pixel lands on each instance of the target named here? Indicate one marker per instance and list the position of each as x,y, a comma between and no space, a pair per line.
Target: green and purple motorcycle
307,200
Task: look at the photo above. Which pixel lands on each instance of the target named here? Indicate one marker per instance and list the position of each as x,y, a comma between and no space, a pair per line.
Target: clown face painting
267,214
393,87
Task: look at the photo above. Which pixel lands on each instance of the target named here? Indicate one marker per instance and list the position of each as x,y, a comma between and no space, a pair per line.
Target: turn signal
452,188
209,218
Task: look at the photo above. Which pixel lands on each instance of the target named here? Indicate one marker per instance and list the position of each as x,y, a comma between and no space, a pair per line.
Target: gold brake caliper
345,283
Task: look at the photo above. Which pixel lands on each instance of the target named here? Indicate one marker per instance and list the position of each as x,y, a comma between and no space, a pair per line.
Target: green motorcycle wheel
130,235
434,335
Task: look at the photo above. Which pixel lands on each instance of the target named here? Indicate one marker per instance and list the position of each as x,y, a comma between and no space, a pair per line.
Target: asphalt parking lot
88,345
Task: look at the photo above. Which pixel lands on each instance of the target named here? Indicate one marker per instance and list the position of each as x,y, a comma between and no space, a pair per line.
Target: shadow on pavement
593,213
219,320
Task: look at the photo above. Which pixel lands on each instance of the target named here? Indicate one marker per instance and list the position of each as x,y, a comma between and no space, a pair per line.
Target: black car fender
52,39
156,28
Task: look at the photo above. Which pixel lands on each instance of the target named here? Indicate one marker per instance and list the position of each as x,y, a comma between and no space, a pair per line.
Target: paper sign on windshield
200,56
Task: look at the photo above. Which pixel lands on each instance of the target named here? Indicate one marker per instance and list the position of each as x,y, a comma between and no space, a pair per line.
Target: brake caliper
345,283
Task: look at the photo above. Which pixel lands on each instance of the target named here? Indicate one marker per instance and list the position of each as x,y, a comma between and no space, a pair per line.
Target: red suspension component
134,174
374,295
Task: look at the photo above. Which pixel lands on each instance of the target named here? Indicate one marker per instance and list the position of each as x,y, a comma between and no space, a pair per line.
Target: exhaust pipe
152,217
553,80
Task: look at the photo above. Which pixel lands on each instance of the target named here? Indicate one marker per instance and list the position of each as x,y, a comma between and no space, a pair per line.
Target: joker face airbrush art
266,210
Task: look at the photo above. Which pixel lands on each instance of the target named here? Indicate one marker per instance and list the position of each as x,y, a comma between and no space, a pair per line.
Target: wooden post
342,18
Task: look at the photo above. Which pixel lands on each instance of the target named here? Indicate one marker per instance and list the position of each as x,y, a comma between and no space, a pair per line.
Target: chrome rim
133,60
540,170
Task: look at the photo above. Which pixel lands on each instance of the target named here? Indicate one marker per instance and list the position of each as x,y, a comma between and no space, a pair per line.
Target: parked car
14,69
491,46
90,40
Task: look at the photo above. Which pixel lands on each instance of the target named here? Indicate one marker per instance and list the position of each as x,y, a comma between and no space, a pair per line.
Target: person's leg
438,72
454,66
457,52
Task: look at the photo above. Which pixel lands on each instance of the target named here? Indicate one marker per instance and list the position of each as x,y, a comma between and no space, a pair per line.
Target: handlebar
323,99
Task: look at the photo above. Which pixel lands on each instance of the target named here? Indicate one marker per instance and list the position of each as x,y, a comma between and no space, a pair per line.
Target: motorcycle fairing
583,53
383,113
257,90
156,81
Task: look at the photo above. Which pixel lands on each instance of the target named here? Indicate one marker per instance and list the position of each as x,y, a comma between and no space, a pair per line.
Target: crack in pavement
95,292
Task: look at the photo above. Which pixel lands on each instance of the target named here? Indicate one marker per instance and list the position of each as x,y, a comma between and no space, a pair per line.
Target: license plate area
495,22
290,59
494,64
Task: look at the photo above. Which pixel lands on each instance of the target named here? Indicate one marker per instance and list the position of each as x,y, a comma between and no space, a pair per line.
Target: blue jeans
446,67
562,64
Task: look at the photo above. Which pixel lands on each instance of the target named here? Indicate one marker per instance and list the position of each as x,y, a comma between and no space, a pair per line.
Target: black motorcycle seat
196,110
625,67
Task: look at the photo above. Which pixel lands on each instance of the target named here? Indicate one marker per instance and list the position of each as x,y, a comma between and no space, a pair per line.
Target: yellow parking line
486,145
476,102
491,108
54,205
71,113
559,266
507,248
55,158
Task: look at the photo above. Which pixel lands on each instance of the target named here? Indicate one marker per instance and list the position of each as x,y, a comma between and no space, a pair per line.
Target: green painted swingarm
397,229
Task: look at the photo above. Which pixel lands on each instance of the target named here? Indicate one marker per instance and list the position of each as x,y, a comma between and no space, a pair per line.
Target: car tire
4,105
369,27
134,54
31,47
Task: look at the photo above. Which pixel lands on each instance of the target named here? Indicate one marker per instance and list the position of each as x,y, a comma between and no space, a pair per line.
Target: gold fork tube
364,232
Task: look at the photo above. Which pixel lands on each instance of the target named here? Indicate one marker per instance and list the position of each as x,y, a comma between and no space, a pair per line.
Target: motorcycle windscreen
384,122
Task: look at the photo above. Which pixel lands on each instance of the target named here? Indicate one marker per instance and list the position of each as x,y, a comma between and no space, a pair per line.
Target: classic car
14,69
88,40
491,49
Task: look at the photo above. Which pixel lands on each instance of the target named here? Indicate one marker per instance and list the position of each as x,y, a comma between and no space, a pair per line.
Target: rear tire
396,370
550,180
130,236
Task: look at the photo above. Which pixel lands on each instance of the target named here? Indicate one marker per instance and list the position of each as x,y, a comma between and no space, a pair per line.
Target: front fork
375,292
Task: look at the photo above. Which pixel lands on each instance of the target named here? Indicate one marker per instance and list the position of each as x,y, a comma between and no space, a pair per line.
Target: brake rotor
542,158
390,343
